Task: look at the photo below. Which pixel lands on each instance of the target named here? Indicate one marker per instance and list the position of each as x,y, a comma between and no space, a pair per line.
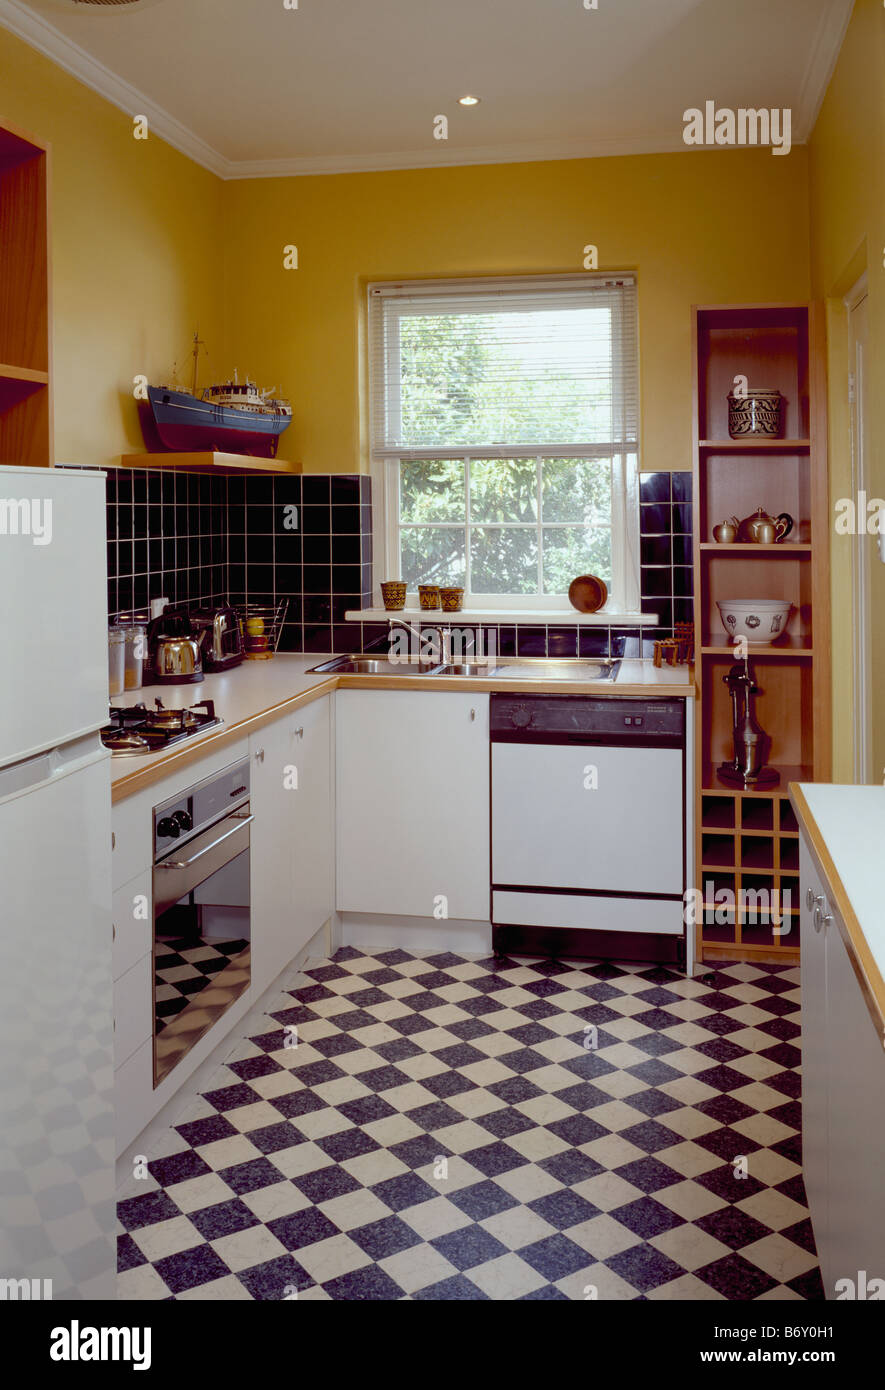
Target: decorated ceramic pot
757,415
760,621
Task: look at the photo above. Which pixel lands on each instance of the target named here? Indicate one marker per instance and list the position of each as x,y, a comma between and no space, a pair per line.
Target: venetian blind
496,367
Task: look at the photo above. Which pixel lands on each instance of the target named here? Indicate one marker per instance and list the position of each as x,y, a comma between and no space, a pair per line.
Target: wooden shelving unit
210,463
747,840
25,349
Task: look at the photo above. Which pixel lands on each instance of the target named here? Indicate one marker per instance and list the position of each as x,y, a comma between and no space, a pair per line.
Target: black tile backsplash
199,539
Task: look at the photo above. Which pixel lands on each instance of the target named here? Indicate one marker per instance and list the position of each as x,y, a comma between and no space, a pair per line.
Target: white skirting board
383,932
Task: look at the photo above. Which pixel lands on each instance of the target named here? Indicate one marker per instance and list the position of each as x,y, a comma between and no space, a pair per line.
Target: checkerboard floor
442,1127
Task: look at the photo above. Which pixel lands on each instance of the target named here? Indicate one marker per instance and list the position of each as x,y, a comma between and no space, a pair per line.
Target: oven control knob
183,820
521,717
168,828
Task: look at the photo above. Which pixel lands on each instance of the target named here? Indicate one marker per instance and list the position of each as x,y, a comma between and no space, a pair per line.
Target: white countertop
850,822
258,691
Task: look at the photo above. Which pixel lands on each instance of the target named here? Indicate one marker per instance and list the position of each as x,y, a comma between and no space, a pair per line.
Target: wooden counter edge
867,972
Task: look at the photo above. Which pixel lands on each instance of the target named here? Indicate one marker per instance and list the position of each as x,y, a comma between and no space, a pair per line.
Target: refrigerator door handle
33,772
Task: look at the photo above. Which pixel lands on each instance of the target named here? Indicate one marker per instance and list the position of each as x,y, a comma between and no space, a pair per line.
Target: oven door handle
241,822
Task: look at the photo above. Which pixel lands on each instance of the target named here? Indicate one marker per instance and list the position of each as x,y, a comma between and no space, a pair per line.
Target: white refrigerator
56,1030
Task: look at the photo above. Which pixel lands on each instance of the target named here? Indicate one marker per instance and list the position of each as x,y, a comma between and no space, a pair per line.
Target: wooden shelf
791,548
746,446
25,348
23,374
712,645
210,463
790,772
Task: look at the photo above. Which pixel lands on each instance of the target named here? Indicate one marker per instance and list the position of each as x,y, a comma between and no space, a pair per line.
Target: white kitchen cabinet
291,858
843,1096
412,803
132,922
133,1009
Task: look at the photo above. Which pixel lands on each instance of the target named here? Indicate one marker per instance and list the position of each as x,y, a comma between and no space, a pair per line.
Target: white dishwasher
588,825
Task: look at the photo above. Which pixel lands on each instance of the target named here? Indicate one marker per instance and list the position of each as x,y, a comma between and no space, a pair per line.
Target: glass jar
116,661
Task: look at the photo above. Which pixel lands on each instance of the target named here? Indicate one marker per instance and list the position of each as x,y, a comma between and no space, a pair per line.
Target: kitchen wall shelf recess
747,840
25,347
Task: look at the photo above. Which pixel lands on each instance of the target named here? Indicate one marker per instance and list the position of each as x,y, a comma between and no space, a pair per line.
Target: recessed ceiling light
469,101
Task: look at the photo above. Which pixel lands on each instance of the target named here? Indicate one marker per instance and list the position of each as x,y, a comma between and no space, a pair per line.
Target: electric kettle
174,650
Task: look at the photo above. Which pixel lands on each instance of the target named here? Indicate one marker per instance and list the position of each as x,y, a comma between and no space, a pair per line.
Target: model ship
231,417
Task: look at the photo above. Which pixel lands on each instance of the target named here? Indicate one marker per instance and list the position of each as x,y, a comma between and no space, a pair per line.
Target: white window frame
624,598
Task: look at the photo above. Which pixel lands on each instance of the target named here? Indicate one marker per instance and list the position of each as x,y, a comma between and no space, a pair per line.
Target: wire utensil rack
261,645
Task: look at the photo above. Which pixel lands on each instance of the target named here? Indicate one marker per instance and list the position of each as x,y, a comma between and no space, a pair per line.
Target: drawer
132,922
134,1095
592,913
132,839
133,1009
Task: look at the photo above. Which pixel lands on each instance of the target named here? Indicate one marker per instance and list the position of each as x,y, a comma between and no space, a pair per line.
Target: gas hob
135,730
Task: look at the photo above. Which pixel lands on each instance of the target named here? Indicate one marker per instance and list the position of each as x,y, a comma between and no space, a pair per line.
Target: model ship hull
185,424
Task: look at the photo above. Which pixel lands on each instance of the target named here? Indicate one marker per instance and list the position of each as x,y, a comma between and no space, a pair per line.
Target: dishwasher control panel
583,718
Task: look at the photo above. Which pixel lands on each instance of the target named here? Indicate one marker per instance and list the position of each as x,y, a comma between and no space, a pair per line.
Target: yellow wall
847,200
700,227
136,260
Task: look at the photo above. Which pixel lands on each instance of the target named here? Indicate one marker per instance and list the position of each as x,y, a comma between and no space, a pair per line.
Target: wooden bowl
587,593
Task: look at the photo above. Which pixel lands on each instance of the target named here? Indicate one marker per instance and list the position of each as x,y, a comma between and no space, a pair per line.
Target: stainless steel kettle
175,651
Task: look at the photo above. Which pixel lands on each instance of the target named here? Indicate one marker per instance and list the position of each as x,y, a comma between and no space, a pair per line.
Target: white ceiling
249,87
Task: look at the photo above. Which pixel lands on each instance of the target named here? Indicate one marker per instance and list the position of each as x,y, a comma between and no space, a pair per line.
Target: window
505,436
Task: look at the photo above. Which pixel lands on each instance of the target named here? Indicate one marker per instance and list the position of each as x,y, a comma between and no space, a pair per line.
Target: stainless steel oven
201,905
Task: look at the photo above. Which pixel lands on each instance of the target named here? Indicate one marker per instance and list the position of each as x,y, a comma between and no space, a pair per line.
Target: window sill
538,617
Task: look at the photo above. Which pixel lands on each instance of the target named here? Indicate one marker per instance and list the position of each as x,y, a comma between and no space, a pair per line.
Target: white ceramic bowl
758,620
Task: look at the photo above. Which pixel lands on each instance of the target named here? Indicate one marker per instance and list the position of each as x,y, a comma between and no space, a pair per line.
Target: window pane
503,490
432,555
432,490
503,560
576,490
573,550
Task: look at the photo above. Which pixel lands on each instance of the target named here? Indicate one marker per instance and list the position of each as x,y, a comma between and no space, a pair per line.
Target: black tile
346,579
374,632
317,550
287,579
654,487
655,520
259,520
507,641
681,485
365,488
682,518
683,581
531,641
683,610
345,487
316,520
124,485
655,550
317,608
259,490
562,641
345,520
317,639
260,579
344,603
625,641
346,550
318,579
663,607
292,638
657,583
139,485
593,641
346,637
288,548
315,488
682,550
259,549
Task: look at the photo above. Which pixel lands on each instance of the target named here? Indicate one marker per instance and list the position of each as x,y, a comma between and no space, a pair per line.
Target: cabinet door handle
259,755
818,917
299,732
473,714
811,898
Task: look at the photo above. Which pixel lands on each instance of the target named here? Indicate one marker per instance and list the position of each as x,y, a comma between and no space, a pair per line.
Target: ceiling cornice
824,55
26,24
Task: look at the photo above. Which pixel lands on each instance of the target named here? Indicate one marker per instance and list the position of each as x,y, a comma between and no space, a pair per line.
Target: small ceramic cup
451,600
428,595
393,592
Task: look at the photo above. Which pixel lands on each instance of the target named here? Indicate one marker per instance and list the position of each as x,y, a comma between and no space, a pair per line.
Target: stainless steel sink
375,666
530,668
